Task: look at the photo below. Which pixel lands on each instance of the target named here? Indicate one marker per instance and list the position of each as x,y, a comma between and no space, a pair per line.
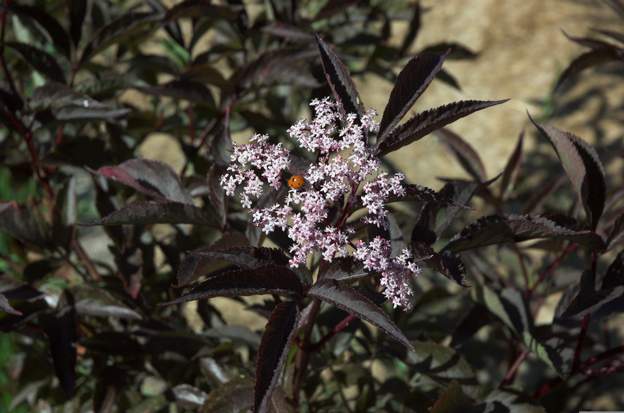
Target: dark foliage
133,327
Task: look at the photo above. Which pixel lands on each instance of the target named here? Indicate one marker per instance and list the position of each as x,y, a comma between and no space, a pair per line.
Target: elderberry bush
375,293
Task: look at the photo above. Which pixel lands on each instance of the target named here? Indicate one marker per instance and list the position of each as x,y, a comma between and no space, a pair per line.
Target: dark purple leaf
66,104
122,29
333,7
455,50
422,194
468,158
353,302
497,229
288,32
96,302
40,60
20,222
64,214
587,60
60,328
150,212
345,269
443,365
269,279
422,233
204,73
182,89
152,178
173,28
583,167
201,9
6,306
339,79
589,42
412,30
446,263
426,122
216,194
446,77
409,86
273,351
199,263
583,298
50,25
617,36
471,322
461,193
275,66
510,172
77,13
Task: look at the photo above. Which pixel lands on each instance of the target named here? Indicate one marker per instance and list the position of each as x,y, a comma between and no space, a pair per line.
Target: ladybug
296,181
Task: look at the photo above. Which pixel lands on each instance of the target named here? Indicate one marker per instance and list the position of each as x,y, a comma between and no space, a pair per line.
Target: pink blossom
344,164
253,165
377,192
396,273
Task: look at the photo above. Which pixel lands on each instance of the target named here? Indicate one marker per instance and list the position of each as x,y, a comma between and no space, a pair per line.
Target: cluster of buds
342,174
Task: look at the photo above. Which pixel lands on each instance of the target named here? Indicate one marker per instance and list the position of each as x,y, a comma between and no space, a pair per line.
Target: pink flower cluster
343,173
396,273
250,163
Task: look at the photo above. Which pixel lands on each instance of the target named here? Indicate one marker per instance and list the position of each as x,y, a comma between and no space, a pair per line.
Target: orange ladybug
296,181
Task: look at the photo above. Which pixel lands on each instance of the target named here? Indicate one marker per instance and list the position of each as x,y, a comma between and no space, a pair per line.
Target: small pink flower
344,162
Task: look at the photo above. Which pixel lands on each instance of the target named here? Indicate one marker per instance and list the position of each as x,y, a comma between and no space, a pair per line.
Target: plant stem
551,268
579,343
513,369
303,355
337,329
86,260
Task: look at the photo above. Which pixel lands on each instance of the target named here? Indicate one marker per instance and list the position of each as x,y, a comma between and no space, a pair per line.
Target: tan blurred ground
522,51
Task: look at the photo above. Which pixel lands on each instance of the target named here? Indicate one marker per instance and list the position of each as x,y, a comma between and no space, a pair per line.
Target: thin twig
576,361
551,268
513,369
86,260
337,329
